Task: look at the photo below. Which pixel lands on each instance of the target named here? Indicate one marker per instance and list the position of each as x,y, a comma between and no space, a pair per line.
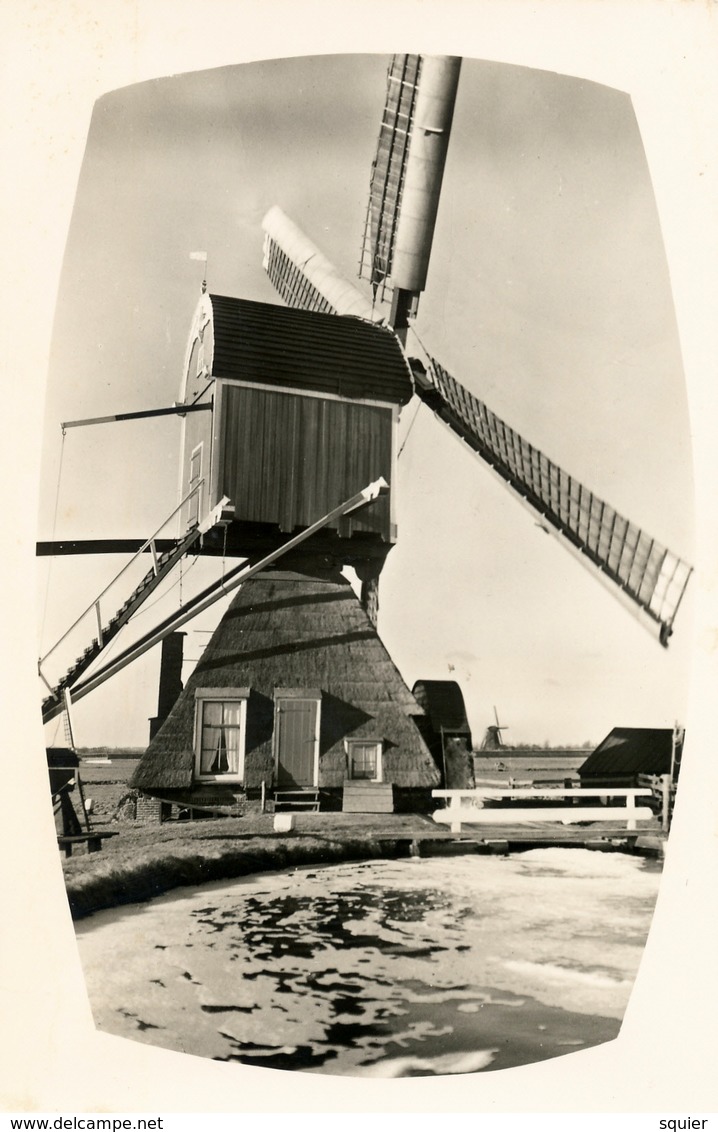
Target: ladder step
296,793
299,799
164,561
314,803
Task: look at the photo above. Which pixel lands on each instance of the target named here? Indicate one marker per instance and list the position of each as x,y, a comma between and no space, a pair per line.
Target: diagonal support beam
213,594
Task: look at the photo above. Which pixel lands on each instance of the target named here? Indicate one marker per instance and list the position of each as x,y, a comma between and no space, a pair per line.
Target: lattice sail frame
647,573
303,275
291,284
388,169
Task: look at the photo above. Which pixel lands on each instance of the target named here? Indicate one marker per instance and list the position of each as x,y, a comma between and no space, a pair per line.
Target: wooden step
287,800
297,805
300,792
360,797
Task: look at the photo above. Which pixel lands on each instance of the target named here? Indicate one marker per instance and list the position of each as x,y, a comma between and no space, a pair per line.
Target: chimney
170,679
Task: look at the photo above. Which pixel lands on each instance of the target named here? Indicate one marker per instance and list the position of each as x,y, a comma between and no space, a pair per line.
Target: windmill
492,740
405,189
405,193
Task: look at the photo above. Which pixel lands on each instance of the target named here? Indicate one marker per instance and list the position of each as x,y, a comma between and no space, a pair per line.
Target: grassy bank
146,861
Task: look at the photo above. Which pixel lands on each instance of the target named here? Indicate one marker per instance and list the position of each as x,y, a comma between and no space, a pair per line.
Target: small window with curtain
364,759
221,724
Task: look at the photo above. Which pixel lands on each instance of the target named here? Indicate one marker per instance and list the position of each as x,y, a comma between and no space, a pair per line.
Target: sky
548,296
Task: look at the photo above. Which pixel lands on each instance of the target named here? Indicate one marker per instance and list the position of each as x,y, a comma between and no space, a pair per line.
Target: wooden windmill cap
264,343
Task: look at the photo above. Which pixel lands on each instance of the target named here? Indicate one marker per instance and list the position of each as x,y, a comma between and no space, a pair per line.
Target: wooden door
297,741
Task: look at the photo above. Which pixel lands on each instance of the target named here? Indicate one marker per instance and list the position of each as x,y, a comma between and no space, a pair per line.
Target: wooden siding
289,458
368,798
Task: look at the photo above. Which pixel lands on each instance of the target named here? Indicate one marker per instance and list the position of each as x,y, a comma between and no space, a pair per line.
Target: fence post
455,805
630,811
666,802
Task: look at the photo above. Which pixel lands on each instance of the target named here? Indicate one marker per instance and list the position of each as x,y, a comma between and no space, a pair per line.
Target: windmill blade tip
274,213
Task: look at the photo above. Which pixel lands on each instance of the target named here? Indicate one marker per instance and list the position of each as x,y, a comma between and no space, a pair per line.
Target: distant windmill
492,740
290,415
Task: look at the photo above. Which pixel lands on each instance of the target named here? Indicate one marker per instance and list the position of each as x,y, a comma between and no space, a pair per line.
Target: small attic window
364,759
220,734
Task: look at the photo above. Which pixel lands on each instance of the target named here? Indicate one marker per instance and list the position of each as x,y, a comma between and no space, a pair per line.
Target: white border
57,59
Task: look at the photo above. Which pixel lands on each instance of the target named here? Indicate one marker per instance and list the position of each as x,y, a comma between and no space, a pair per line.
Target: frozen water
385,968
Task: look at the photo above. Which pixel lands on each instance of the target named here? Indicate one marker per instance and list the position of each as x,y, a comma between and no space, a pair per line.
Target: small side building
446,730
294,692
627,752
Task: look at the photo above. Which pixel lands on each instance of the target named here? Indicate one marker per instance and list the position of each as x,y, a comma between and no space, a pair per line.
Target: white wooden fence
466,807
663,789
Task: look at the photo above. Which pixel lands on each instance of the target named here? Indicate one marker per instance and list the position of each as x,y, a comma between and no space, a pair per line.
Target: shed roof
326,353
291,631
629,751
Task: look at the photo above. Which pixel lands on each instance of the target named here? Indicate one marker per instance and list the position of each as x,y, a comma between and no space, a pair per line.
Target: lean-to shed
629,751
446,729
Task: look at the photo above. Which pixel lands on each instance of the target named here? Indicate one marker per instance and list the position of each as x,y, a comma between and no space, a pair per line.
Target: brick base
148,808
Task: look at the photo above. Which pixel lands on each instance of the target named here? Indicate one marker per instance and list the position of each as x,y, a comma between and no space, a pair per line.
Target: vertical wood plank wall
288,458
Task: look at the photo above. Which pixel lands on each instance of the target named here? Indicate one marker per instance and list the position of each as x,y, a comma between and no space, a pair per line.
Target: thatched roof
290,631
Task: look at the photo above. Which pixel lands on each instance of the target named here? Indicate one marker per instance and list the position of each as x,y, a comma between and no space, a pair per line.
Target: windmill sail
406,177
388,168
303,276
651,578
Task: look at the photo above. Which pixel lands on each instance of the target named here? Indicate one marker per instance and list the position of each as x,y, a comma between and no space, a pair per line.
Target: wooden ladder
164,563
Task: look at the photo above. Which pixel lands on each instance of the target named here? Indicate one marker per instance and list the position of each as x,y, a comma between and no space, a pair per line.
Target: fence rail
663,790
468,807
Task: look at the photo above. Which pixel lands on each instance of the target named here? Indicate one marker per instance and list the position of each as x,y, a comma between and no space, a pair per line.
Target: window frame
369,740
204,696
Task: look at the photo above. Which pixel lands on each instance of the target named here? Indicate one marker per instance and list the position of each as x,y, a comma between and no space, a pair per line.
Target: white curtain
221,736
232,733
